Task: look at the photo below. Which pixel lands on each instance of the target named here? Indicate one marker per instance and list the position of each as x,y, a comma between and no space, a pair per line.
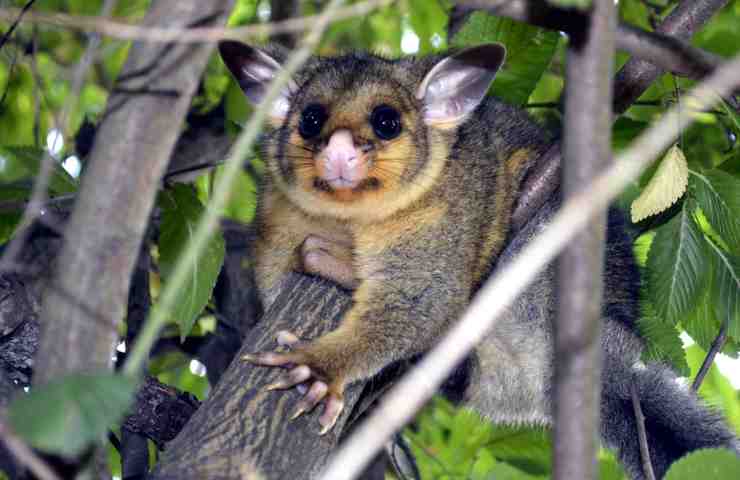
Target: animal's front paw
305,368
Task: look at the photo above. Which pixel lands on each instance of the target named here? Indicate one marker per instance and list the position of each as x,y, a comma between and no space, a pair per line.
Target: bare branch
16,22
670,53
714,349
399,406
577,330
637,75
125,31
647,464
103,236
25,455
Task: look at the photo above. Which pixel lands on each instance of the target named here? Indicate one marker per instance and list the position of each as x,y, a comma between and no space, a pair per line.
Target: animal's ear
457,84
254,70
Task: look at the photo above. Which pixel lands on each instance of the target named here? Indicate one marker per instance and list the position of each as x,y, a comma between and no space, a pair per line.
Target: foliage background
689,251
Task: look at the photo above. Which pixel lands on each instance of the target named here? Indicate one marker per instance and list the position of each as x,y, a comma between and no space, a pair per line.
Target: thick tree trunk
87,300
240,428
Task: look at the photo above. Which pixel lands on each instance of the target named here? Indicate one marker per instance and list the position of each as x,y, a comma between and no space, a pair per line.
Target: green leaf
242,203
181,212
428,18
22,164
676,266
526,448
501,471
69,414
701,322
609,467
716,389
718,195
625,130
8,224
709,464
662,341
665,187
529,51
726,289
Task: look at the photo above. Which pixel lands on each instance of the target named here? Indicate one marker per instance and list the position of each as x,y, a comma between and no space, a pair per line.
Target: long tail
675,420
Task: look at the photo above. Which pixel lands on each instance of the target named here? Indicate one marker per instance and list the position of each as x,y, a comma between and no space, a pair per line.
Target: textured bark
636,75
130,153
587,152
240,428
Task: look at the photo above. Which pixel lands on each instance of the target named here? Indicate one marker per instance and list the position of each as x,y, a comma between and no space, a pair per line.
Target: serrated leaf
181,212
676,266
726,280
708,464
718,195
662,341
529,51
666,186
67,415
22,164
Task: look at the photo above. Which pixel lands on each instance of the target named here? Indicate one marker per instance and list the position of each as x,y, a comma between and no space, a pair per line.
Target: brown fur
421,240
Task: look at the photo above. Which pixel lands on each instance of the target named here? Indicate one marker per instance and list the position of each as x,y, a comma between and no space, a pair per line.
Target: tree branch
714,349
25,455
636,75
670,53
244,426
103,236
173,34
647,464
577,330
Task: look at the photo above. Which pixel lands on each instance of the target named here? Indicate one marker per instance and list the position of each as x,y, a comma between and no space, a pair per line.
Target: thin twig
16,21
714,349
401,403
221,193
126,31
647,464
25,455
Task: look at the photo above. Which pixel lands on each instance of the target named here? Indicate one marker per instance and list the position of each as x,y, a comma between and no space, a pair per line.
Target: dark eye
386,122
312,121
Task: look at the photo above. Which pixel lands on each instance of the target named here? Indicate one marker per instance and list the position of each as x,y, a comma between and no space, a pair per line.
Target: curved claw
294,377
332,410
313,397
270,359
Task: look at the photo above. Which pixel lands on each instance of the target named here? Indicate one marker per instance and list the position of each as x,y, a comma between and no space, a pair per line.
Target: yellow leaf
667,185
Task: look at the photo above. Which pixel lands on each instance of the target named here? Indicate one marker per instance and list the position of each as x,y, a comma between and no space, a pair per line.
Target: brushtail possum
397,179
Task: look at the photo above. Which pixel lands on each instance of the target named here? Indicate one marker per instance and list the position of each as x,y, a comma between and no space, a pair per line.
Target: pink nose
341,148
340,165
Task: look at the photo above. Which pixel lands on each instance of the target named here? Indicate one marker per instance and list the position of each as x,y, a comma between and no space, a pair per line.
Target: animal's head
357,133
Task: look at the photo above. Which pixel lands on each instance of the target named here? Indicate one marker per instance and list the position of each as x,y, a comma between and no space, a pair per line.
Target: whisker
304,147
